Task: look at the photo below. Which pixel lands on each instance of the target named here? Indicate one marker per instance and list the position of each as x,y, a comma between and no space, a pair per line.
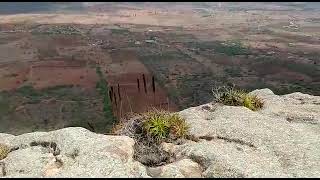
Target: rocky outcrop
70,152
280,140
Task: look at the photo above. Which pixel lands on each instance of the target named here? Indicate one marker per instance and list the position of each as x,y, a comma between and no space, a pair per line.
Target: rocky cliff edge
280,140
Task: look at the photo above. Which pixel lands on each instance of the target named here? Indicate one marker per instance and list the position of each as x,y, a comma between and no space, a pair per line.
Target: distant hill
51,7
37,7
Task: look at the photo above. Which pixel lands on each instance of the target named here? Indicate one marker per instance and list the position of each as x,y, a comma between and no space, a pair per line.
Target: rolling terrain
164,55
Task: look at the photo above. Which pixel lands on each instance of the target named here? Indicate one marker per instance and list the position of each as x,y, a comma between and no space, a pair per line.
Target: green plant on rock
256,103
4,151
149,130
161,125
157,126
179,128
232,97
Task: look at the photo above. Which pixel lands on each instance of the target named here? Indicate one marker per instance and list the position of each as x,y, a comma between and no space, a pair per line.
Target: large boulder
280,140
70,152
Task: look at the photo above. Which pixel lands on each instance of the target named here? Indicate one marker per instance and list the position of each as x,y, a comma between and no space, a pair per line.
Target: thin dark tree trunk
119,92
153,85
115,101
110,95
144,83
112,92
154,91
115,98
138,82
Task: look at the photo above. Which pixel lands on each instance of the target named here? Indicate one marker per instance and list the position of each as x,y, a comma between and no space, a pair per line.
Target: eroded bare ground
180,45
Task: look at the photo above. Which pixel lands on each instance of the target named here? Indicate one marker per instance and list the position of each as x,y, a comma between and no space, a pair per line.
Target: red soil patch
126,75
47,74
55,73
68,41
12,76
137,99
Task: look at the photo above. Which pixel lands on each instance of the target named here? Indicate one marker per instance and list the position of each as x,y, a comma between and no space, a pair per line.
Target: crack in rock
14,149
74,154
308,120
52,146
204,164
210,138
238,141
58,162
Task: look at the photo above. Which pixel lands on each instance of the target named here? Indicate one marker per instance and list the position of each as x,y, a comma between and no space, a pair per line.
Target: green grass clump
161,125
232,97
149,130
178,128
157,125
4,151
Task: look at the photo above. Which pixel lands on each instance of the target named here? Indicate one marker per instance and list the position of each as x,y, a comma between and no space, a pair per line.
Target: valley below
52,63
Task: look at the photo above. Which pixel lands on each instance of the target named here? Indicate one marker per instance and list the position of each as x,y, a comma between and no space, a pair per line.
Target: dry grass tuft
4,151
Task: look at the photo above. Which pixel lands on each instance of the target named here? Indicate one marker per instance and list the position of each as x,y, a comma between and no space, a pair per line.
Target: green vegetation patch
60,92
62,29
164,56
160,125
233,97
149,130
230,48
28,109
103,89
4,104
120,31
307,69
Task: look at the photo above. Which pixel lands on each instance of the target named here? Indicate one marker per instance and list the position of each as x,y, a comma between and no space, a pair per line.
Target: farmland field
150,55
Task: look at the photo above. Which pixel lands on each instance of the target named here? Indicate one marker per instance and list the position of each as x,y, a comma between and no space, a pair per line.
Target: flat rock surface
280,140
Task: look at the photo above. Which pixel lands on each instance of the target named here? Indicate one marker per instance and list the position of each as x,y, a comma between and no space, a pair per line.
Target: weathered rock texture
280,140
70,152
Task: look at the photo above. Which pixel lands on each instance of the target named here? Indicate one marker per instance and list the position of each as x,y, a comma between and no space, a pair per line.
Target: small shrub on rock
161,125
179,127
233,97
149,130
4,151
